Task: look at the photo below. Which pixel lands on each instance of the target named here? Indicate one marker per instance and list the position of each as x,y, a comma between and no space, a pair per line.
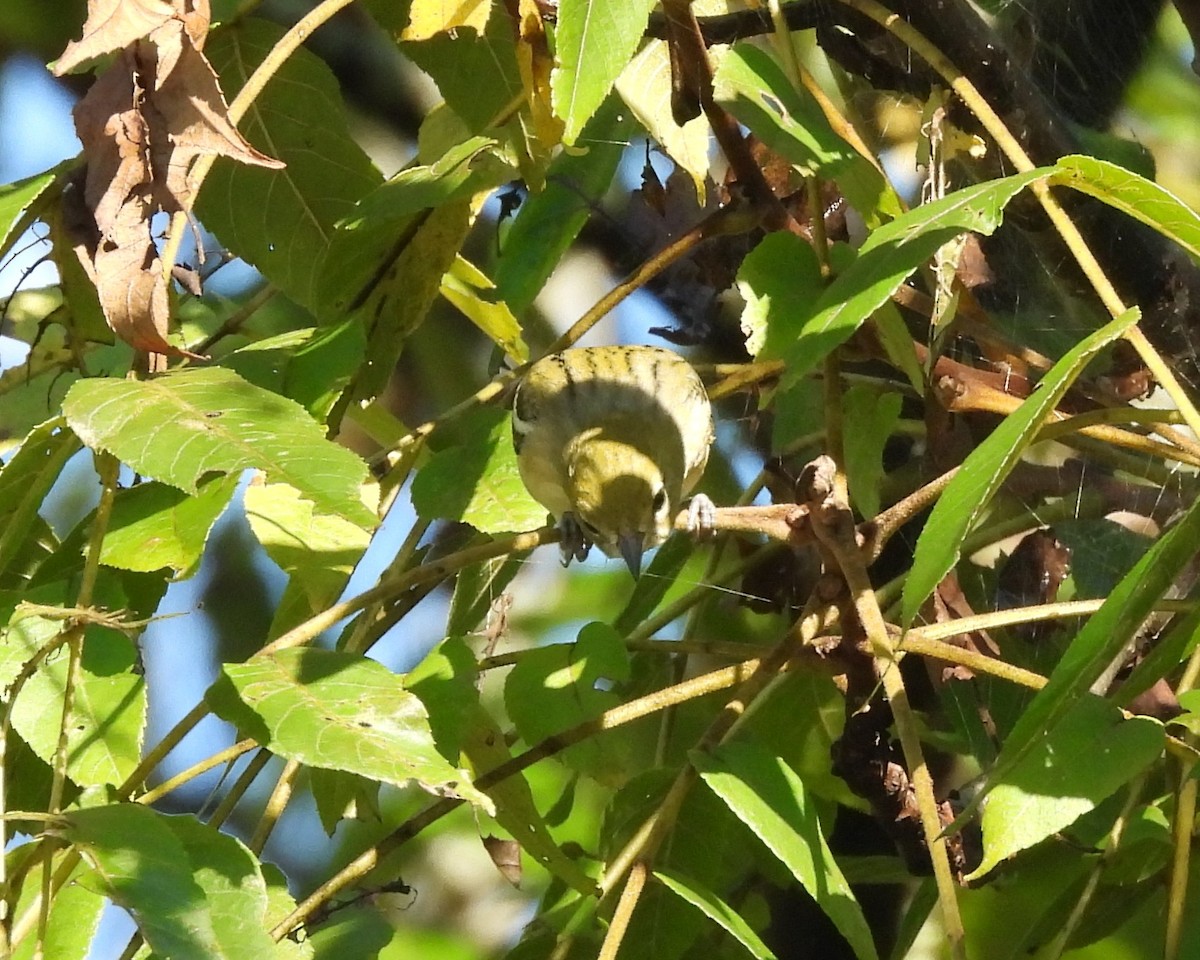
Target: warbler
610,440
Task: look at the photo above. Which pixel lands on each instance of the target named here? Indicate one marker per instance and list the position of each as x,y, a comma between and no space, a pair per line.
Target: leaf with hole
339,711
179,427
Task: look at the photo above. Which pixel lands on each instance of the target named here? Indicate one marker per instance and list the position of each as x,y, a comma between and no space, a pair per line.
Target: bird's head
621,497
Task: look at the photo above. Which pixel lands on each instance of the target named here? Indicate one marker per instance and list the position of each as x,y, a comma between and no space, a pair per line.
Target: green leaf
386,276
31,391
154,526
752,86
1167,653
771,800
311,366
427,18
74,916
413,941
477,481
554,688
352,933
476,74
476,588
594,41
548,222
108,715
708,844
799,723
282,221
340,796
516,810
870,418
716,910
15,201
339,711
887,258
1106,634
318,552
778,279
1142,199
988,464
464,170
446,683
649,590
178,427
233,886
25,633
1083,759
26,479
194,892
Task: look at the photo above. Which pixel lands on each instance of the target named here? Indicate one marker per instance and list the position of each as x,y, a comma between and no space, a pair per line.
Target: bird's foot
575,543
702,517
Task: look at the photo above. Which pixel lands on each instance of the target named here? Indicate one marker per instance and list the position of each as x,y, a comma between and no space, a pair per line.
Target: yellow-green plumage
615,437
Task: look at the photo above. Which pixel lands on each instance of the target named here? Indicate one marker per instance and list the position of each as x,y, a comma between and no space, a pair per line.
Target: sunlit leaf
154,525
554,688
316,550
461,286
886,259
15,202
771,800
594,42
340,711
26,479
181,426
108,714
645,86
753,87
74,916
716,910
477,481
1130,193
1102,638
1083,759
430,17
194,892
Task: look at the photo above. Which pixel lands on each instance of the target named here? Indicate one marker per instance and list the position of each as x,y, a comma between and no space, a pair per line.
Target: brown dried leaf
506,855
188,118
112,25
143,123
115,140
129,280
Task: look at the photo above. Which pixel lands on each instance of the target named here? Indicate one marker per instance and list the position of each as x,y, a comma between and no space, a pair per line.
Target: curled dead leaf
117,24
146,119
506,855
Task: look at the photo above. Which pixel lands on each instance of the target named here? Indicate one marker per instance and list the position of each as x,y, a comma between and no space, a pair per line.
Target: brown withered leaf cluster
147,117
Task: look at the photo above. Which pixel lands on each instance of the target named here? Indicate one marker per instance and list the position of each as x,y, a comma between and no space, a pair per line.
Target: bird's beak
631,546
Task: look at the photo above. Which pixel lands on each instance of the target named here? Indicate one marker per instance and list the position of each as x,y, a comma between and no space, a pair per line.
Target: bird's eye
660,500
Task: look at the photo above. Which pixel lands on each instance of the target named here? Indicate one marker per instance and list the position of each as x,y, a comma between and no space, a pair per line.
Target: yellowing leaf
459,286
428,18
645,86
